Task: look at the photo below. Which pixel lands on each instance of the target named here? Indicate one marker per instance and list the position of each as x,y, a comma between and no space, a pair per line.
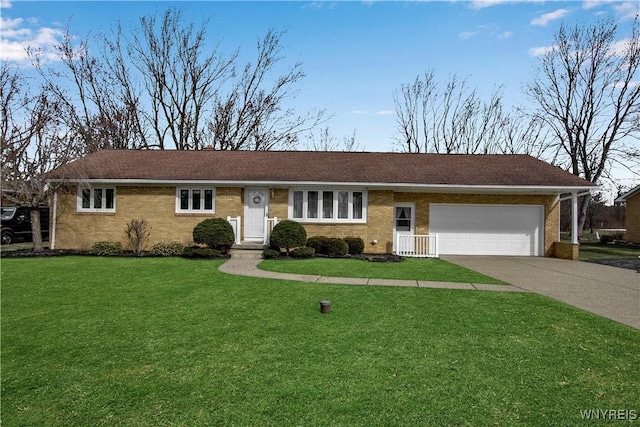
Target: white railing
269,223
419,246
235,223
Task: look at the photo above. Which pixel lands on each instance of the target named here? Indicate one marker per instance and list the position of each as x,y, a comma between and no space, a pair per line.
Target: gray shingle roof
322,167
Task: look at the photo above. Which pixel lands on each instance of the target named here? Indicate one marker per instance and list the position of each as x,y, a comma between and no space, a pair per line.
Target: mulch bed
630,263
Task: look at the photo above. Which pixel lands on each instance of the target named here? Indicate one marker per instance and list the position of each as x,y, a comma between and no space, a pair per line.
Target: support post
574,218
53,222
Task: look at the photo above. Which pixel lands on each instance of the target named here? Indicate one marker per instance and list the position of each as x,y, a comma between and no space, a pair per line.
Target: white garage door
487,229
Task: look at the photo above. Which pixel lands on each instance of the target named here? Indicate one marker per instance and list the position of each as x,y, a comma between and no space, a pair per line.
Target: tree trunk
36,232
582,213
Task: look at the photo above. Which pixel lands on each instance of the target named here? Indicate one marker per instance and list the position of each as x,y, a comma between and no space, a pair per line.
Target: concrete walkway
607,291
247,266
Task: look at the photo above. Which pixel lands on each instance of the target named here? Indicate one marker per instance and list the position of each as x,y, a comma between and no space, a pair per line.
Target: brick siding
157,205
633,219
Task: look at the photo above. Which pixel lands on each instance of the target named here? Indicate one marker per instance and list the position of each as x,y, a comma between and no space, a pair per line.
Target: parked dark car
16,223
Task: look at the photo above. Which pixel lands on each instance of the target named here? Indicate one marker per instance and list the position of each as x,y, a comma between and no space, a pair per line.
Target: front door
255,209
403,225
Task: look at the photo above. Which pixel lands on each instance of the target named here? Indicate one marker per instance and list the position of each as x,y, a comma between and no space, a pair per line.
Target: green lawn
173,342
596,250
435,270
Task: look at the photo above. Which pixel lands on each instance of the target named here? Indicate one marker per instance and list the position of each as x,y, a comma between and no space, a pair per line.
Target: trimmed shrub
305,252
356,245
610,238
318,243
288,235
204,253
106,249
269,253
167,249
216,233
137,232
337,248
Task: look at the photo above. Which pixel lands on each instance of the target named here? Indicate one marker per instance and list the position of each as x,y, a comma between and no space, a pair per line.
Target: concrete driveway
607,291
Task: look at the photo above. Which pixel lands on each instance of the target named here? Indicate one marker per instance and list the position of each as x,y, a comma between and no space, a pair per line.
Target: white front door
256,202
404,225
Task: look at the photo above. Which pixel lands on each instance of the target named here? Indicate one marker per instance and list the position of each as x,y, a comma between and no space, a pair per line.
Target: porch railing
269,223
418,246
235,223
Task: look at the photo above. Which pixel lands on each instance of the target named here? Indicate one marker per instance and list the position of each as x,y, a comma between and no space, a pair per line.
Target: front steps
247,250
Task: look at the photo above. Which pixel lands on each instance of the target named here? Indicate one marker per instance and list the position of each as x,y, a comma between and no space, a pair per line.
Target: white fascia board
403,187
628,195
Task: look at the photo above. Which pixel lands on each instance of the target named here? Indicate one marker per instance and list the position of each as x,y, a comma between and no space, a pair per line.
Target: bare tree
93,109
180,79
33,144
161,85
450,120
586,91
253,114
324,140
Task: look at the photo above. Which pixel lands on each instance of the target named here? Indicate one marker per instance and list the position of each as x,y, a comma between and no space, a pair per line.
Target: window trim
320,206
92,195
190,209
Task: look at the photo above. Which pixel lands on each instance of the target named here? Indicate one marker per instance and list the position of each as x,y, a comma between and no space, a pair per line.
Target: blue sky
355,54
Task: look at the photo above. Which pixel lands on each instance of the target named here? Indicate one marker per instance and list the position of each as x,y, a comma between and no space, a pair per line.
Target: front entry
403,225
256,202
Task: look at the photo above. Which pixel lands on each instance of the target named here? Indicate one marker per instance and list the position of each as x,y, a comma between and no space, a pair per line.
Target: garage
488,229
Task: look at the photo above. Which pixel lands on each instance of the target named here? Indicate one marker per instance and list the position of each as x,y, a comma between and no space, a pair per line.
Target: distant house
632,199
476,204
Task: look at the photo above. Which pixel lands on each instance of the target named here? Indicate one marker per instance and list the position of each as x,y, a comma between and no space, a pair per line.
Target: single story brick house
476,204
632,199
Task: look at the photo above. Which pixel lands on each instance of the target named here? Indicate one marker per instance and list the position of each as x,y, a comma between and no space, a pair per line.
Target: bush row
161,249
336,247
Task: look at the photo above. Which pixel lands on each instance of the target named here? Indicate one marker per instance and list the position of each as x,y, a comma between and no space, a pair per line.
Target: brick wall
633,219
76,230
157,205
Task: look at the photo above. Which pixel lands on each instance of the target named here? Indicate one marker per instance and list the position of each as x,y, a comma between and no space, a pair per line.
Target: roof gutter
459,188
585,193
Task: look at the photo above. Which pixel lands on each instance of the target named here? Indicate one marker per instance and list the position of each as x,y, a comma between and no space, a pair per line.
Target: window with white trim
328,205
96,199
195,200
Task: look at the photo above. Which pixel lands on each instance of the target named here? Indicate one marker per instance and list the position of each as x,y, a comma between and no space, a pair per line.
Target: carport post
574,218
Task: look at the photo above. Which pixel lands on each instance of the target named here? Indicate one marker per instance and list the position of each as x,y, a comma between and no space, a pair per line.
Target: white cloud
548,17
487,31
482,4
619,47
467,34
542,50
590,4
628,9
376,113
5,4
624,9
16,38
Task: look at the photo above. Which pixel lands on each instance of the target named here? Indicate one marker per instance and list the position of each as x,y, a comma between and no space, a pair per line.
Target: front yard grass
150,342
595,250
433,270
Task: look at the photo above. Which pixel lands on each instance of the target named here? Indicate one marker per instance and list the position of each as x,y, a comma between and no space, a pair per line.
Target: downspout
52,238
